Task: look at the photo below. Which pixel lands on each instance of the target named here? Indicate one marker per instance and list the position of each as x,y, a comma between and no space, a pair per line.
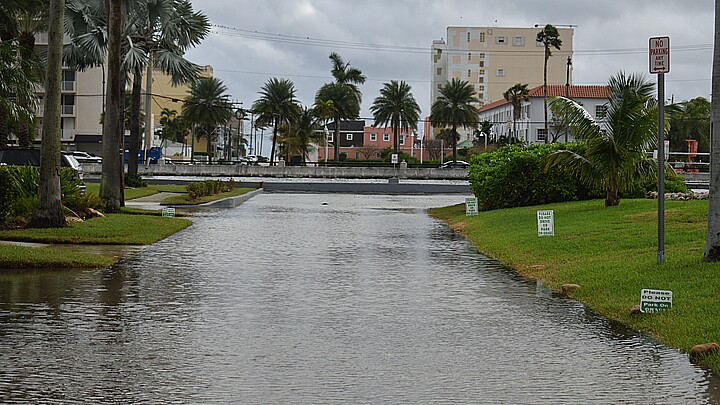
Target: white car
84,157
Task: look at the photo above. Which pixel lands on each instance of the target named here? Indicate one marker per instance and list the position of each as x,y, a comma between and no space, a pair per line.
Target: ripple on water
285,300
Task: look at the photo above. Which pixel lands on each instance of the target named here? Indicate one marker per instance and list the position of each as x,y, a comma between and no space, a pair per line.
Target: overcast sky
254,40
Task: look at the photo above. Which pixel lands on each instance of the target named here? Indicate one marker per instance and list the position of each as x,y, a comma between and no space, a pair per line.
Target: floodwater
320,299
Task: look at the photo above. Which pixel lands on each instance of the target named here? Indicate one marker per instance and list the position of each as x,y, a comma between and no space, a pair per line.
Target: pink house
370,144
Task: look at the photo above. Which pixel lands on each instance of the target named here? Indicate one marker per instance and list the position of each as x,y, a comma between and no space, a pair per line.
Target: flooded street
321,299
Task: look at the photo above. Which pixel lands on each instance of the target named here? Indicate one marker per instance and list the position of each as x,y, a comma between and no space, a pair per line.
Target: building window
481,72
500,73
500,40
331,136
349,137
373,136
439,86
541,134
481,63
68,80
600,111
481,79
386,137
469,72
482,55
518,41
439,71
481,95
468,36
402,140
469,55
481,88
482,37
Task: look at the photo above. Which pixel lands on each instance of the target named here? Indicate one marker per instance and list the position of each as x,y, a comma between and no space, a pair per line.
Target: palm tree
454,108
616,159
14,86
157,33
549,37
208,106
515,95
396,106
345,77
299,135
276,106
689,120
49,213
712,240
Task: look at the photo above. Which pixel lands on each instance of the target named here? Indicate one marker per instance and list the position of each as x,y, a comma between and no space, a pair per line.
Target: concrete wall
292,172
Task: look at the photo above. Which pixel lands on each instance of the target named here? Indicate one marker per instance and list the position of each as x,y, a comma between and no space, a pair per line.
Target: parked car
26,156
255,159
84,157
455,164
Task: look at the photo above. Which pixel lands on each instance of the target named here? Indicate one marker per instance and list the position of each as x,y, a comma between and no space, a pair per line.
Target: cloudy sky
254,40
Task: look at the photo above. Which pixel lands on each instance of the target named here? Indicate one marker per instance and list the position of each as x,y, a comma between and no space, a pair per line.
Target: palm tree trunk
135,101
454,142
274,141
111,188
336,141
48,212
712,240
4,130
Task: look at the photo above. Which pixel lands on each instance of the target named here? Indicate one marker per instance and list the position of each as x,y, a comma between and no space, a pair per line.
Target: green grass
612,254
133,193
116,229
184,199
21,257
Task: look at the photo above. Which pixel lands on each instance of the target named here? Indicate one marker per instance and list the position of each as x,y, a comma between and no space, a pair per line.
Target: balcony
67,110
68,86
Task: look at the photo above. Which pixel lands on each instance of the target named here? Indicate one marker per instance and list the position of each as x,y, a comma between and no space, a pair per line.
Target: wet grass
22,257
133,193
184,199
612,254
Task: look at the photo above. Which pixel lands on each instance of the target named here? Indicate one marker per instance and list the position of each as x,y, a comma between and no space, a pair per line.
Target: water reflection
287,300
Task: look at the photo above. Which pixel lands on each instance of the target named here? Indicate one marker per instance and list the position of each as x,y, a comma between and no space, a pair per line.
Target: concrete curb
231,202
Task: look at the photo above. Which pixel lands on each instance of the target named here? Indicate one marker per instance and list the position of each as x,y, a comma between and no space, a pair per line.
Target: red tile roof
557,90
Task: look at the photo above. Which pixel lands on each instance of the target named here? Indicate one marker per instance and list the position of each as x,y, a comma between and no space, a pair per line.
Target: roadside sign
659,55
394,158
546,223
655,300
168,212
471,206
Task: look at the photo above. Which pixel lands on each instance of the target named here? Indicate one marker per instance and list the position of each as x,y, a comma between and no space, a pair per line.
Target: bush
209,187
8,194
514,176
135,181
23,183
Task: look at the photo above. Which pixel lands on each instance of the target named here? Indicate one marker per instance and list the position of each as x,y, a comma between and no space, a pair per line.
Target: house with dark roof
530,127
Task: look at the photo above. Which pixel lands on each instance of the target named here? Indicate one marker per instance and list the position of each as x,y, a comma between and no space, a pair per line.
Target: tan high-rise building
494,59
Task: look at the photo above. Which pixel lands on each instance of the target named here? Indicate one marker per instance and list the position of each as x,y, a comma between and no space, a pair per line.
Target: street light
327,134
240,115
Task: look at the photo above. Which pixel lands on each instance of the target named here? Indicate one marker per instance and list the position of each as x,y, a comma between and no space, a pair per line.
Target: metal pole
661,169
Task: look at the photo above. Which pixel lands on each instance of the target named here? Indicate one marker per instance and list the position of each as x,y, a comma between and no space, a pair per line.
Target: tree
276,106
712,240
515,95
208,106
14,86
616,159
396,106
689,120
349,78
345,105
49,213
454,108
111,182
485,130
299,135
549,37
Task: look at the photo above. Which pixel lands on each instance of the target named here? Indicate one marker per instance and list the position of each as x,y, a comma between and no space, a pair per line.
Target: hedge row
209,187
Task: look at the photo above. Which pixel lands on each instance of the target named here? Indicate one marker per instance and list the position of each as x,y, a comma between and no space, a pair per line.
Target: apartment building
493,59
530,127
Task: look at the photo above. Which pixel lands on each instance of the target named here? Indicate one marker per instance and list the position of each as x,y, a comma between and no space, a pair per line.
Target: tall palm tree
14,86
348,77
157,35
48,213
454,107
712,240
276,106
299,135
396,106
549,37
208,106
616,159
515,95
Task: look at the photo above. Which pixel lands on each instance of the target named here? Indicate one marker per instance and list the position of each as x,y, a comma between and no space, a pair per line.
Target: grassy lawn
184,199
132,193
21,257
612,254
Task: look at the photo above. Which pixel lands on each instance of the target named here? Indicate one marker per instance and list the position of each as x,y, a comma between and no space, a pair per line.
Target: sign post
660,64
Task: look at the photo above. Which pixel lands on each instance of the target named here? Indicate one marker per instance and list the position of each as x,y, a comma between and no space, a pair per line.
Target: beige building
494,59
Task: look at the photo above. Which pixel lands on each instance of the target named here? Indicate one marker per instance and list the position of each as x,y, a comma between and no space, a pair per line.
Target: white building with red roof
530,127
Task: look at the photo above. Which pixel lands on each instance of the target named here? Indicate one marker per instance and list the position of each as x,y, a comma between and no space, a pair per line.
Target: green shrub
24,182
514,176
135,181
209,187
673,184
8,194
